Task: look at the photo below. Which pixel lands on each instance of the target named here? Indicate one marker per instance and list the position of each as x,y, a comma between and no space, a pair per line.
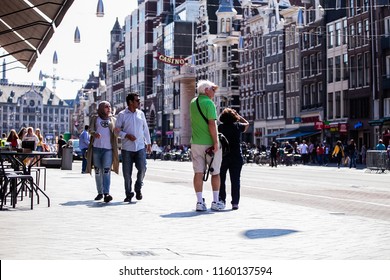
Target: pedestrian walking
352,151
155,150
232,126
338,152
274,155
363,152
60,144
102,154
203,116
84,140
132,128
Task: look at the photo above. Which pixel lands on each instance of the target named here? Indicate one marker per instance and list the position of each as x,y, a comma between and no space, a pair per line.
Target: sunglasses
137,100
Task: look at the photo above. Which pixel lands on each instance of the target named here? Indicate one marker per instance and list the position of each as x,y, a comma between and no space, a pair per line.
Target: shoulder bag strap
200,111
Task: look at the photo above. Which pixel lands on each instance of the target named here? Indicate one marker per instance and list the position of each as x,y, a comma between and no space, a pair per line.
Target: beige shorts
199,159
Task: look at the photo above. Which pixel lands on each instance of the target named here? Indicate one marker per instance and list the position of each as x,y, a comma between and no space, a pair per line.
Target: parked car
77,154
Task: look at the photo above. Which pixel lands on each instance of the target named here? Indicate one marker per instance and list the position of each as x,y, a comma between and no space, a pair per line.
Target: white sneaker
217,206
201,206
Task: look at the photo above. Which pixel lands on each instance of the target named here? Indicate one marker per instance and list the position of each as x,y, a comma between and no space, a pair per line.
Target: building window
276,104
281,44
274,45
268,47
306,96
338,34
352,78
352,36
345,67
269,105
330,70
360,70
274,73
288,87
387,67
269,74
330,36
281,72
345,32
367,66
313,68
386,107
288,109
330,105
338,104
281,104
337,68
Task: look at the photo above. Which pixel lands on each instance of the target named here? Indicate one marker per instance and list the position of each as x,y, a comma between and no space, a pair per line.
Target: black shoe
107,198
128,198
138,195
99,196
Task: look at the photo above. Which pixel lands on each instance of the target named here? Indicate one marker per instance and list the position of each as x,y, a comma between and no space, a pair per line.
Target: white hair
203,84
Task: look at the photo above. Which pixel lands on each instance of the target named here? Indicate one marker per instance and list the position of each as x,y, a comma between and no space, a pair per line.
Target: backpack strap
200,111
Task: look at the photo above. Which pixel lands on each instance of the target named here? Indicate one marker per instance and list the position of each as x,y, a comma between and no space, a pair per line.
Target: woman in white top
103,150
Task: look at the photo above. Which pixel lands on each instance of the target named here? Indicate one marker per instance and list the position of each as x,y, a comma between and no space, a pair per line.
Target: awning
25,31
298,135
279,132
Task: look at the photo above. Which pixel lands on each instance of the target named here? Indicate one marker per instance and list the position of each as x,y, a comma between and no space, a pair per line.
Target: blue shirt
84,140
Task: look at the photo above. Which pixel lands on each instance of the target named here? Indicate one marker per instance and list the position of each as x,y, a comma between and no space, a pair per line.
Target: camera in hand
210,151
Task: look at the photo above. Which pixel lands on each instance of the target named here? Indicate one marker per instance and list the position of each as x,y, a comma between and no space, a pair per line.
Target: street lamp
100,9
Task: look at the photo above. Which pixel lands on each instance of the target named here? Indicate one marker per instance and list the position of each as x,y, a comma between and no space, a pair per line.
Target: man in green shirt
205,136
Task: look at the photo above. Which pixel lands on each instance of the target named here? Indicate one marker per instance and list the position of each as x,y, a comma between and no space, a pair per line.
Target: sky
75,60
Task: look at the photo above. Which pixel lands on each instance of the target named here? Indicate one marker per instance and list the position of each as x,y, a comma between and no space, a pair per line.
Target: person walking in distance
132,128
103,150
352,151
274,155
205,137
232,126
155,149
83,145
338,152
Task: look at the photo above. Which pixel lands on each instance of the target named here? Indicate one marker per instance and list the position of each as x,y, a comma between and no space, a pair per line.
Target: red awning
25,31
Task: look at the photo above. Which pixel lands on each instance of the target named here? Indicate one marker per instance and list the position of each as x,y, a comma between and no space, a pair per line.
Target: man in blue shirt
83,144
380,146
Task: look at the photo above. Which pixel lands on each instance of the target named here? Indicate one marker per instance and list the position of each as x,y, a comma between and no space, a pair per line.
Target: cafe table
19,163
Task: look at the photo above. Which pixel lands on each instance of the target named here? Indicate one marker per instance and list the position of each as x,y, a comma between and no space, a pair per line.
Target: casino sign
170,60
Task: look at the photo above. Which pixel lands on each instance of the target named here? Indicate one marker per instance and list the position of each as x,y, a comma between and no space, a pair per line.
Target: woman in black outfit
232,125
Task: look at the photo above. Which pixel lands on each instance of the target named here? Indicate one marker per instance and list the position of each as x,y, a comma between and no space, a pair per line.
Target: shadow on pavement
267,233
186,214
94,204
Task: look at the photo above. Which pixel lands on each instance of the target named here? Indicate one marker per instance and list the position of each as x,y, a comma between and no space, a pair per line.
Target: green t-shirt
200,129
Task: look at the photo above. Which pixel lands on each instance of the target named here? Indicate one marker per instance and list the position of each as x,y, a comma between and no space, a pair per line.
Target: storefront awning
25,31
280,132
298,135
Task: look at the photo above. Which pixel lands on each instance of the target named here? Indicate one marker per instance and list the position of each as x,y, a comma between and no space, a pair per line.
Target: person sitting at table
22,132
31,136
13,139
